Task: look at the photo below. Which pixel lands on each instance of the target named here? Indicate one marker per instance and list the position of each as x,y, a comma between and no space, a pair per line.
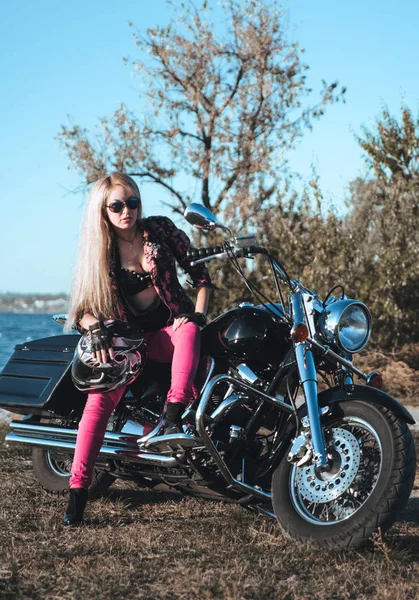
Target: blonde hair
91,290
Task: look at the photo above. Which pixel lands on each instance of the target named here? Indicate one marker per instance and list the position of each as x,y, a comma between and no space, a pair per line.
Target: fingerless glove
100,337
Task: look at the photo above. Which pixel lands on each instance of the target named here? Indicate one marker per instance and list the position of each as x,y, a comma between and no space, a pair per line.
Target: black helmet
130,353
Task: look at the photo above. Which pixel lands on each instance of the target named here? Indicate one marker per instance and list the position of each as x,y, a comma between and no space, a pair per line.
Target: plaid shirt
164,245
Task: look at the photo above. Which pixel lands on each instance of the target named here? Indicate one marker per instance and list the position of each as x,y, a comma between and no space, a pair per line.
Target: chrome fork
308,374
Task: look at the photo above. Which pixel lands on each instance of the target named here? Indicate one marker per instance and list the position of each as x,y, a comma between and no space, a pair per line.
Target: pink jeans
181,348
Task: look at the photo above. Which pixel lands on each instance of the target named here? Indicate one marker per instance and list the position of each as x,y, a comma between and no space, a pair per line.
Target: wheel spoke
337,495
59,463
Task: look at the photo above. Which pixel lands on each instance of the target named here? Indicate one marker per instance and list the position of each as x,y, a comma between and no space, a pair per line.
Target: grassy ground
141,544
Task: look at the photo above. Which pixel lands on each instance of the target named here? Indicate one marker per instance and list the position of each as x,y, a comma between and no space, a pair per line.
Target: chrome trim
308,378
295,492
328,323
142,440
247,374
309,307
210,372
174,440
248,388
126,453
130,427
61,433
210,446
244,241
326,350
41,429
236,433
202,218
52,464
297,308
226,405
237,252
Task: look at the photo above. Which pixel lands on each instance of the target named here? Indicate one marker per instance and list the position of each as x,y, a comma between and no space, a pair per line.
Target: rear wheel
371,476
52,471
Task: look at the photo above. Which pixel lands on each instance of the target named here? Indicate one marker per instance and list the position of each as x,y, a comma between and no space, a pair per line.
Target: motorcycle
332,465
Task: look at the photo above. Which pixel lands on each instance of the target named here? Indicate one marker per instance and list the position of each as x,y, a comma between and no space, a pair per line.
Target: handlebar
198,256
213,254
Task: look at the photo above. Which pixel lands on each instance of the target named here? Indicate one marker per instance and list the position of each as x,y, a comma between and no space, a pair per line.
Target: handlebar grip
195,253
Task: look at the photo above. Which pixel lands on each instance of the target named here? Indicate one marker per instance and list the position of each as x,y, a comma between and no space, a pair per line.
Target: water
18,329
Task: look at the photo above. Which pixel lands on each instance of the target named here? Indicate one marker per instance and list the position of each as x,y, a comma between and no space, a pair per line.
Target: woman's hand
101,342
180,321
197,318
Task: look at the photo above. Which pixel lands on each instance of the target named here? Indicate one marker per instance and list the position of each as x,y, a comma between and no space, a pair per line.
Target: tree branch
156,179
223,193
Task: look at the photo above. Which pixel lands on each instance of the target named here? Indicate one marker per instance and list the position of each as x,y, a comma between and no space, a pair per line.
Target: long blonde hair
91,290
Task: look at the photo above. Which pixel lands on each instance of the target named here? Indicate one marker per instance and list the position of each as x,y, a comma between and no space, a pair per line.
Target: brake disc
324,486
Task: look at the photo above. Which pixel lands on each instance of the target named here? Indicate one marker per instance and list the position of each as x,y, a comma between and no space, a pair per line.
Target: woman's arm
86,321
202,300
180,244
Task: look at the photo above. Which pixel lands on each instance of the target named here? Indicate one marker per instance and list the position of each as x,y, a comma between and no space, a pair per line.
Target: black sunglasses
118,205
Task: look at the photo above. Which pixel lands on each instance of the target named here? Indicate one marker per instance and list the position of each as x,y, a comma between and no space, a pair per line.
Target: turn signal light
375,380
299,332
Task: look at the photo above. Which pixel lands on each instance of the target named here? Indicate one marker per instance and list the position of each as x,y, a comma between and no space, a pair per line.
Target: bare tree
222,104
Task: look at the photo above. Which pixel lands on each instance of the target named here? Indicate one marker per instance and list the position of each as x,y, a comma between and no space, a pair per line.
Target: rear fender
367,394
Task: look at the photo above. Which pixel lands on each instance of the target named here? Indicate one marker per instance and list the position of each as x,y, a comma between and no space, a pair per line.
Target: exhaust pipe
117,446
60,433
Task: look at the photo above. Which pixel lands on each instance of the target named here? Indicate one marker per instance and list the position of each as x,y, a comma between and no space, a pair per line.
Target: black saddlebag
37,378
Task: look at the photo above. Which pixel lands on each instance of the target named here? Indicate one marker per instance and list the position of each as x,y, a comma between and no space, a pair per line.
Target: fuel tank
247,332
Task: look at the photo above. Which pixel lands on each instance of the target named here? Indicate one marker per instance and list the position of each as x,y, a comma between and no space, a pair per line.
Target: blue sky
63,62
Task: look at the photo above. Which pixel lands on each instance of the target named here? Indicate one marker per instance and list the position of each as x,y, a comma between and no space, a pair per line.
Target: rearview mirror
201,217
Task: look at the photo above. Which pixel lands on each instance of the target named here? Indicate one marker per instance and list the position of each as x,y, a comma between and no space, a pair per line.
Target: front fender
368,394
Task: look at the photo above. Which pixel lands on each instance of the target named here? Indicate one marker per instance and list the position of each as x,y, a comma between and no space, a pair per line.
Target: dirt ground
400,370
142,544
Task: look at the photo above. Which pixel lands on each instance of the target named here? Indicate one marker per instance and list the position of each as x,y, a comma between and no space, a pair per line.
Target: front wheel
372,471
52,470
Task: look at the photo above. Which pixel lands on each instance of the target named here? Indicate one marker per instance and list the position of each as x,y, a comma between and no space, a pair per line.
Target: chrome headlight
346,323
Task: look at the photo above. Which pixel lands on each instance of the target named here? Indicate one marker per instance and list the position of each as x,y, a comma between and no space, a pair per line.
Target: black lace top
132,282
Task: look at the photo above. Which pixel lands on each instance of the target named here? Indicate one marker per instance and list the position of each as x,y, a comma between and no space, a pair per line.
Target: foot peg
172,442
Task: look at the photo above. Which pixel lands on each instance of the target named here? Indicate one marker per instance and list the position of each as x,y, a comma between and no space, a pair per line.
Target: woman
126,270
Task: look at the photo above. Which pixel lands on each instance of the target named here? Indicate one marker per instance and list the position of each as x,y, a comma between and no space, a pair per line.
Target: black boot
75,508
172,420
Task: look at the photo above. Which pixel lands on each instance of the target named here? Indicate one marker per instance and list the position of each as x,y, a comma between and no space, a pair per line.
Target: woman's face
127,217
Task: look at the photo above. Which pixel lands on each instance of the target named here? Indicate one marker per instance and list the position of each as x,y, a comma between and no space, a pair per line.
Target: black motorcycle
333,466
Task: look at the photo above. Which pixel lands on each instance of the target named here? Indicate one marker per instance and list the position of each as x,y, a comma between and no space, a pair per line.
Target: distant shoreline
47,313
33,303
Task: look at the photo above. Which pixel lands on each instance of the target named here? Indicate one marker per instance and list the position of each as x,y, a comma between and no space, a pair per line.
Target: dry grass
141,544
400,370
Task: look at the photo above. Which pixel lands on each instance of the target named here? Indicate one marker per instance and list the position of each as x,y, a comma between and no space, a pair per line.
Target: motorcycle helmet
130,353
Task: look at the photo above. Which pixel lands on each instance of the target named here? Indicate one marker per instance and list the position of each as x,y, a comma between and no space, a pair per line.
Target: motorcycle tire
52,471
378,452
